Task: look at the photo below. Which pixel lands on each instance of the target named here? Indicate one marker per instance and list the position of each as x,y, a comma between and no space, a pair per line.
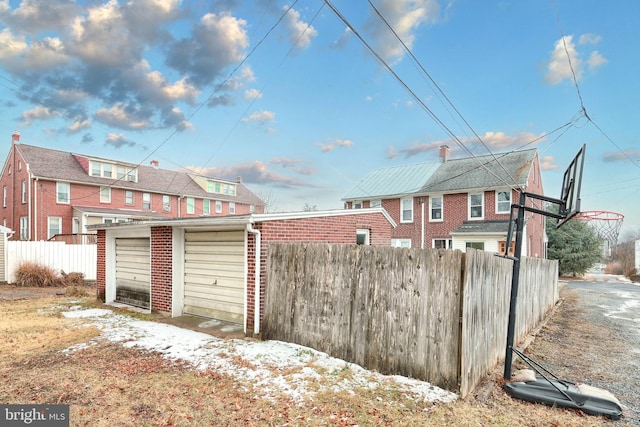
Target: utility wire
435,84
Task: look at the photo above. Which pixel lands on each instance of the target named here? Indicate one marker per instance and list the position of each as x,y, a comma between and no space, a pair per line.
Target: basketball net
606,225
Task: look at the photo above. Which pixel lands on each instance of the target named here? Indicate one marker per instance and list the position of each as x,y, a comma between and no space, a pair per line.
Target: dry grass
109,385
31,274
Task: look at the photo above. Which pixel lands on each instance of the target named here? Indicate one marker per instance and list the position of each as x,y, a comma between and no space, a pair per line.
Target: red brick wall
13,174
101,271
161,268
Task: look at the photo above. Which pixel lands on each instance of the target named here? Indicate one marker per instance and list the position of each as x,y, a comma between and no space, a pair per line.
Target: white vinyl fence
57,255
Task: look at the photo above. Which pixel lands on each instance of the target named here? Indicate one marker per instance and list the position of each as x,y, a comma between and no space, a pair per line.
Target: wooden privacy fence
57,255
435,315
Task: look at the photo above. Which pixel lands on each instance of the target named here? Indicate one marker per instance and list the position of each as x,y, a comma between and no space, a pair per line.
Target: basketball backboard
570,191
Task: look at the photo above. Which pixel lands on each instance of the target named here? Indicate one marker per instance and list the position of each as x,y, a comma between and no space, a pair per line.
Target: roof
482,227
482,172
46,163
393,181
244,220
133,213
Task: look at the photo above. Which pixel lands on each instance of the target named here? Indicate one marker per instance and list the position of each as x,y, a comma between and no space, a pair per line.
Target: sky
303,98
273,367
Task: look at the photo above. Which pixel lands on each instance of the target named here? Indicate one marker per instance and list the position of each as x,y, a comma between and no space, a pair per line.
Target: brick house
456,203
55,194
216,266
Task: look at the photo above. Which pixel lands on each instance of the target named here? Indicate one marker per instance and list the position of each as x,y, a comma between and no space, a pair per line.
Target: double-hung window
406,209
232,207
191,205
206,206
146,201
105,194
476,206
62,192
503,201
166,203
55,226
218,206
128,197
435,208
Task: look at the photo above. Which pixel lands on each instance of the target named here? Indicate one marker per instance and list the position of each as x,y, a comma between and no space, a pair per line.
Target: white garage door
214,274
133,271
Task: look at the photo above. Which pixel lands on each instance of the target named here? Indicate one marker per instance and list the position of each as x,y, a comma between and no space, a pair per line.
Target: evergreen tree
575,245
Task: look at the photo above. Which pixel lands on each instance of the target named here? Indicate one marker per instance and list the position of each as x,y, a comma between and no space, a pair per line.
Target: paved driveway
613,303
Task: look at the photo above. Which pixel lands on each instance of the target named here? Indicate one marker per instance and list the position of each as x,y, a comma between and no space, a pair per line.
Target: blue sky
284,95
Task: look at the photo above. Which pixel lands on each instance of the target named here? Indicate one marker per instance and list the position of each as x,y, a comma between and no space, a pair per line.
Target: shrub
40,276
36,275
614,268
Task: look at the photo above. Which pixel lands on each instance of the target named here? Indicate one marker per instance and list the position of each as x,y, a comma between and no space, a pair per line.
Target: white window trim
481,217
232,207
357,204
375,203
448,243
133,198
191,205
59,218
441,197
146,201
400,243
402,220
206,207
510,200
366,232
218,206
166,203
107,194
59,183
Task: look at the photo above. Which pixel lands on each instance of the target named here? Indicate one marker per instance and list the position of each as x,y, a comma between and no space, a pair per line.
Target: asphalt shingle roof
482,227
46,163
481,172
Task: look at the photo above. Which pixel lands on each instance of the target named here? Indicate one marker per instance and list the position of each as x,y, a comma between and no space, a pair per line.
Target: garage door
214,270
133,271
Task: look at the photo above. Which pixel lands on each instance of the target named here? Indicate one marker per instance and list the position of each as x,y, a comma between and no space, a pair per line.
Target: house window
206,206
24,228
121,172
435,208
475,245
502,245
232,207
95,169
54,226
503,201
62,192
217,187
105,194
107,170
406,210
362,236
191,205
4,196
218,206
166,203
146,201
232,190
24,192
128,197
131,175
476,206
210,186
357,205
225,189
442,243
252,208
400,243
375,203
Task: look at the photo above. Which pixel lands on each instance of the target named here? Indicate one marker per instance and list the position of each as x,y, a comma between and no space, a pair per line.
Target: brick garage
167,251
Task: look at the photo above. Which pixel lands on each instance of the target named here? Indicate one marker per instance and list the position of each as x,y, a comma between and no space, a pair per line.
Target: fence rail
56,255
437,315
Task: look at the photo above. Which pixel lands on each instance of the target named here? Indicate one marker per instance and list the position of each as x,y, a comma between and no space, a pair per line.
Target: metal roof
393,181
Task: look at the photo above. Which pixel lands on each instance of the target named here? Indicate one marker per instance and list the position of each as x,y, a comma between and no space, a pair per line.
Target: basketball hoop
606,225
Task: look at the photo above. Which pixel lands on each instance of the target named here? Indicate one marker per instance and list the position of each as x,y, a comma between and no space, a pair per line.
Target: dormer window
101,169
221,188
126,173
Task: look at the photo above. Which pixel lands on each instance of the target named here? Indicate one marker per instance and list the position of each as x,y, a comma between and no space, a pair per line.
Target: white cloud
559,68
325,148
251,94
261,117
405,17
77,126
38,113
548,163
121,117
300,32
117,140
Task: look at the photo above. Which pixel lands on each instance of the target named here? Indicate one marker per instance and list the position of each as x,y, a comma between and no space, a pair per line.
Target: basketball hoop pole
521,208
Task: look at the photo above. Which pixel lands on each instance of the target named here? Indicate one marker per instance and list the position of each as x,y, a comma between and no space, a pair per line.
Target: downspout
422,221
34,210
256,297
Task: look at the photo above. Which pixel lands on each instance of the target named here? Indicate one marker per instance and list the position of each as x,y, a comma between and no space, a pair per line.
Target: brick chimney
15,137
155,164
444,153
239,180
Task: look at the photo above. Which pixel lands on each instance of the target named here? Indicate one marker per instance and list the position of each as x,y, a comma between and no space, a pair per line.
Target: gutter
256,295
